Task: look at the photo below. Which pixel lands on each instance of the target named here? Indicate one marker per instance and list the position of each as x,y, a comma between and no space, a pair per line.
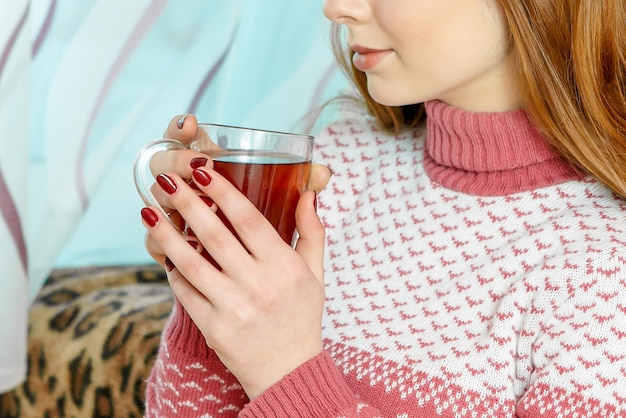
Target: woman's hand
262,311
185,129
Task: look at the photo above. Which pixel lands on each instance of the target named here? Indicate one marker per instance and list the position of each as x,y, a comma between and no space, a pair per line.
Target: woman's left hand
262,312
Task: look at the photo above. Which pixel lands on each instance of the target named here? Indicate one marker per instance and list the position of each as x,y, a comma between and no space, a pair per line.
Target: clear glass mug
270,168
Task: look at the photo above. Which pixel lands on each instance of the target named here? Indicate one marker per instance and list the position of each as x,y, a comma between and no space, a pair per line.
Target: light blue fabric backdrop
84,84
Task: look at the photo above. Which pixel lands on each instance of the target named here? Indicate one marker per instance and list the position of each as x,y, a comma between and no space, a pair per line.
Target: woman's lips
365,59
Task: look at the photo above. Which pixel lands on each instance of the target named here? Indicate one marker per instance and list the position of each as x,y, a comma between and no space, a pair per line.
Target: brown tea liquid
272,183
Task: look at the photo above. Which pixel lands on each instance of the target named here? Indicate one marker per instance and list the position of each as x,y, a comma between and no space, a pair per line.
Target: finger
183,128
185,257
162,198
154,250
319,177
168,208
311,233
195,302
181,162
186,129
158,254
220,242
258,236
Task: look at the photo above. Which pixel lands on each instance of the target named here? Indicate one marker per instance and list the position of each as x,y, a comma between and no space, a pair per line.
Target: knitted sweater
469,272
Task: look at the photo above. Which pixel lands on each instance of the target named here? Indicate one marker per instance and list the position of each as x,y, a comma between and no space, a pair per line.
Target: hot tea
273,183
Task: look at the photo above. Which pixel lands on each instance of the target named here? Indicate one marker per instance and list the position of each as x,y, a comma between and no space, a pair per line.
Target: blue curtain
84,84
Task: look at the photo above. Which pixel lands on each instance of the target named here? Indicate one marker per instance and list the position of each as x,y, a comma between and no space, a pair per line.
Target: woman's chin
387,97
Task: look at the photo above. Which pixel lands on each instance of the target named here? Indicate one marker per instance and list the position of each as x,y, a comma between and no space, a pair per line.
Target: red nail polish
198,162
169,265
201,177
166,183
150,217
206,199
315,202
194,244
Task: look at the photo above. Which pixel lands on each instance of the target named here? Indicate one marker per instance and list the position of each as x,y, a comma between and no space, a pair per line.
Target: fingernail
198,162
169,265
315,202
201,177
206,199
166,183
150,217
181,121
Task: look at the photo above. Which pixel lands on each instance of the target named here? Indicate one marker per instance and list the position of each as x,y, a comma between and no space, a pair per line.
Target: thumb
311,233
319,177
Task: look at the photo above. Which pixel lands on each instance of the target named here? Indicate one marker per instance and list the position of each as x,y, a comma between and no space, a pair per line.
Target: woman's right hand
184,128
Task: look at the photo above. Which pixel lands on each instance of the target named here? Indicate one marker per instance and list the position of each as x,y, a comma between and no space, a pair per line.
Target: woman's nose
346,11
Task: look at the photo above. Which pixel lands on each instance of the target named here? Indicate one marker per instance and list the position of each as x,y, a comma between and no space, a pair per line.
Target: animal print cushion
92,341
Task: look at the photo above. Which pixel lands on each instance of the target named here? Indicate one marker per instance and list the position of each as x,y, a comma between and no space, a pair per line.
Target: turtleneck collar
489,154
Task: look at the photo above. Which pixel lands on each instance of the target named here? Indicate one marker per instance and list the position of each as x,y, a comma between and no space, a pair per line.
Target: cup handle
141,169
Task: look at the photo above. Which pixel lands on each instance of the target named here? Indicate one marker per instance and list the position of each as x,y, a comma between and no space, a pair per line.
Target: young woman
474,261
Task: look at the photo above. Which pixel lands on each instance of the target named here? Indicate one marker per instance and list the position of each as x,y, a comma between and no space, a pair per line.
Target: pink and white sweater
469,272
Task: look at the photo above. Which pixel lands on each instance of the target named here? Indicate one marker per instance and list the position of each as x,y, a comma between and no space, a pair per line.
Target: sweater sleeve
188,379
316,389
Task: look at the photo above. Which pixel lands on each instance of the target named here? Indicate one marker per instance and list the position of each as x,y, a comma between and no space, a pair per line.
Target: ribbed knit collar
489,154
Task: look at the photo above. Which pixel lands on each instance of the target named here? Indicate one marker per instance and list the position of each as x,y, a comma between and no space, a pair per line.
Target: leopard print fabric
93,337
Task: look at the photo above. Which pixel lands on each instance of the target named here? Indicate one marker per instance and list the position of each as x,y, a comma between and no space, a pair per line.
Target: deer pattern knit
469,272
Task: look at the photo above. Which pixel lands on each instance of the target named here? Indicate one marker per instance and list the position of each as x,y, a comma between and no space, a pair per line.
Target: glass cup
270,168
